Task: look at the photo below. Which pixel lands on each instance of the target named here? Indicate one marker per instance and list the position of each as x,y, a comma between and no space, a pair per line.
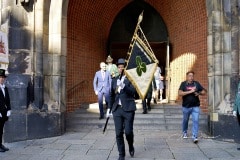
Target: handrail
78,84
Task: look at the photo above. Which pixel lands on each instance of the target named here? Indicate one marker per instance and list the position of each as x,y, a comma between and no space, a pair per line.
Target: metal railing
78,87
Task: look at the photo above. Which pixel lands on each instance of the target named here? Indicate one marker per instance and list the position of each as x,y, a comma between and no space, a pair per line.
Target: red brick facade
88,27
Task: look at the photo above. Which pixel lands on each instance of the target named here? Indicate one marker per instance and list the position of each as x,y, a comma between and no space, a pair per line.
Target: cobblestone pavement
89,143
94,145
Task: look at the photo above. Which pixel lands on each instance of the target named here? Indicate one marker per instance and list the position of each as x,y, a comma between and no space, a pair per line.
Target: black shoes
121,158
3,148
131,151
144,112
101,117
149,108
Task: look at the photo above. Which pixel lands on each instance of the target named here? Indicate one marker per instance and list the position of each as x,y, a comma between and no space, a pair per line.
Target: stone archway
153,26
75,38
89,27
57,50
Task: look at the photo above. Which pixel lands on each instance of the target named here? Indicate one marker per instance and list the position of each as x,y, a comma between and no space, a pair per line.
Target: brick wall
88,27
89,23
186,22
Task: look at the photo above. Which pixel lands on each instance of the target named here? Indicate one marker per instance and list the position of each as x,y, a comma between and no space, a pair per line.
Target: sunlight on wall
179,67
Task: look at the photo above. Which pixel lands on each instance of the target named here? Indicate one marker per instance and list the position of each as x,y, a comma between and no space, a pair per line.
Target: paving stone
151,143
46,157
80,147
155,153
52,151
216,153
57,146
98,152
190,156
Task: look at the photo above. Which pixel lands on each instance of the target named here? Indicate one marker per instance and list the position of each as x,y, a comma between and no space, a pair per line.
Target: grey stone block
19,62
15,127
230,124
17,86
18,17
56,64
47,64
38,91
20,38
43,125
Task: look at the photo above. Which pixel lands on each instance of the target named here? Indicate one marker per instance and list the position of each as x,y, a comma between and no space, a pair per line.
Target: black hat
2,73
121,61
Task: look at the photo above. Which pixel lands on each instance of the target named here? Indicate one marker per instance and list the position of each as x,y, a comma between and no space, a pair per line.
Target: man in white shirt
5,108
122,105
101,85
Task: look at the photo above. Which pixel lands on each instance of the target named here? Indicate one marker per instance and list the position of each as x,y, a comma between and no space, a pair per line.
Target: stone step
110,126
161,117
138,114
138,105
137,121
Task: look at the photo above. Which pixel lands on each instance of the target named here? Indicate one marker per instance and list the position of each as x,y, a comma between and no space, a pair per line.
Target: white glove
120,83
96,92
8,113
0,115
108,114
234,113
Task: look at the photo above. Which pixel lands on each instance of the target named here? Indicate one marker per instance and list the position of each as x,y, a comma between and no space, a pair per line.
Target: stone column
223,63
219,52
234,16
55,80
38,55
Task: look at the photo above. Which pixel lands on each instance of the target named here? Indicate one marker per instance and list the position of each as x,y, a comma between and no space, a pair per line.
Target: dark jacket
4,103
126,96
150,89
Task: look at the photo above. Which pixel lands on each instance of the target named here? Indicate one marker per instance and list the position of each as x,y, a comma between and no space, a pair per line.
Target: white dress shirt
3,88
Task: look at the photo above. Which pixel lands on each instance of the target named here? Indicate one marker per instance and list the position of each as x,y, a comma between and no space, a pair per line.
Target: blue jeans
194,111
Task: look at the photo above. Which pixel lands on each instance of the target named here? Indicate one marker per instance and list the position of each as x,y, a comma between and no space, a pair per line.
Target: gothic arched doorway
153,26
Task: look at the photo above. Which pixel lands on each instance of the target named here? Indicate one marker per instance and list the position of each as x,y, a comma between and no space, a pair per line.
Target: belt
119,106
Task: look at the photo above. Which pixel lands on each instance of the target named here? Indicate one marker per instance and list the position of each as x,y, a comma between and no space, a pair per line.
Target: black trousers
146,104
123,122
2,122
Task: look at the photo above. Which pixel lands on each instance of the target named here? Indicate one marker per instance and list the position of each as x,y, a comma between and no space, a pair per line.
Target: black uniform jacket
126,96
4,103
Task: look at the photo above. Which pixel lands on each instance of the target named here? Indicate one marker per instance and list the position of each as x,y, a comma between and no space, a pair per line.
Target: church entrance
96,30
153,27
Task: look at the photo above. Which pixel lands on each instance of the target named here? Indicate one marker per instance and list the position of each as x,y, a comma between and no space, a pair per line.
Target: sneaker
184,136
195,140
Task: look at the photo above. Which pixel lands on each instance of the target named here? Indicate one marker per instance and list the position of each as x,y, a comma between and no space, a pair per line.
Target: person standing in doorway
190,91
157,76
161,87
101,84
112,68
122,105
147,105
5,108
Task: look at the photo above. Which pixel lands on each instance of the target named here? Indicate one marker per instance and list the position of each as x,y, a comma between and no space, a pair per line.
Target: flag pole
168,70
140,18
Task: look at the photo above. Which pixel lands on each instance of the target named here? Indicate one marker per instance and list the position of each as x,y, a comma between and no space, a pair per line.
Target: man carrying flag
122,105
138,73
